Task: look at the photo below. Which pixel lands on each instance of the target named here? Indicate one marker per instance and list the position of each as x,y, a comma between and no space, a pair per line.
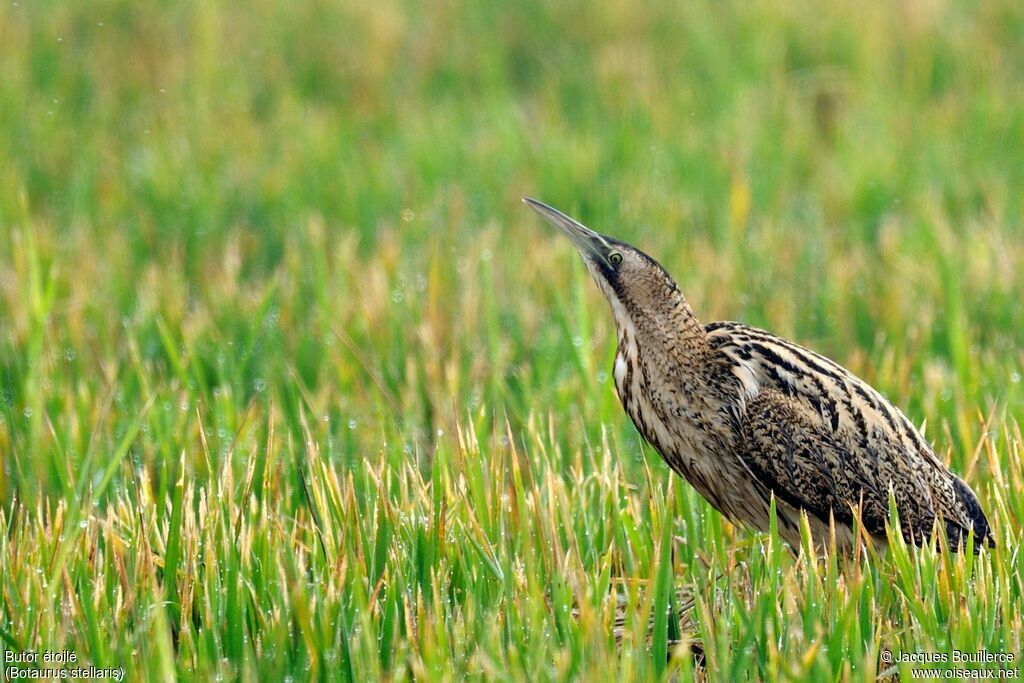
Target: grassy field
292,387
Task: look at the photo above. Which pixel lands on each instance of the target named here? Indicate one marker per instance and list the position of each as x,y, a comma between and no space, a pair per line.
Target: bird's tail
957,533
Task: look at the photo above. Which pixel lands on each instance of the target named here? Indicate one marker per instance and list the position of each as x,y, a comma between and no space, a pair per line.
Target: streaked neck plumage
655,311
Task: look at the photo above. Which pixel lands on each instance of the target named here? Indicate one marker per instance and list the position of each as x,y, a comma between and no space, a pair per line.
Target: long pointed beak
587,242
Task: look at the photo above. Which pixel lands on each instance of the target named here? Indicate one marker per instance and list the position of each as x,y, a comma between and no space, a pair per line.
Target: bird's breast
677,420
669,408
624,371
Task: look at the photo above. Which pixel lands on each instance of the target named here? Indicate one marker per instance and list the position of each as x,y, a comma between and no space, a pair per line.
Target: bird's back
824,441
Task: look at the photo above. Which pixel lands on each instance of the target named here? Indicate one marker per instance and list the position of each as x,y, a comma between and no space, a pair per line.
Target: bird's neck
661,377
666,326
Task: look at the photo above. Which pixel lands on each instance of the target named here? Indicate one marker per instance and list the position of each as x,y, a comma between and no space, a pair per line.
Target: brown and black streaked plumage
743,415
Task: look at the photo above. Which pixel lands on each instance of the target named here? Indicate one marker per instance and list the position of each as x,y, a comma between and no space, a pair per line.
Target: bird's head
638,289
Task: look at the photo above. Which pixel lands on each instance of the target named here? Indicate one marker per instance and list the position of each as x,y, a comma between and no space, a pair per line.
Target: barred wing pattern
824,441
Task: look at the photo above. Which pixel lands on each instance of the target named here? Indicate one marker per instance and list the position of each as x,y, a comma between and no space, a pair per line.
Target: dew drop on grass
577,341
27,413
352,424
259,385
69,354
1015,377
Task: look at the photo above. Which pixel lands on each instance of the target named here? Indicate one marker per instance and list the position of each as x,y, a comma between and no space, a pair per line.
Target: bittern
745,416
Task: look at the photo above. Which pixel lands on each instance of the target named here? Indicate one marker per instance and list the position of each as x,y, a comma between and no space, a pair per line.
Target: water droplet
352,424
408,215
259,385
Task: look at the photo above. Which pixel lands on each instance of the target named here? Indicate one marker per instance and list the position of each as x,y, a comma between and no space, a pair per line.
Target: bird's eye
615,258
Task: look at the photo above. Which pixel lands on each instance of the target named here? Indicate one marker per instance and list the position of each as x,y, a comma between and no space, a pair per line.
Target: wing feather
825,441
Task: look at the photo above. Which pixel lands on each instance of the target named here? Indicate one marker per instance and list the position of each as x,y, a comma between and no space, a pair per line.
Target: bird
750,419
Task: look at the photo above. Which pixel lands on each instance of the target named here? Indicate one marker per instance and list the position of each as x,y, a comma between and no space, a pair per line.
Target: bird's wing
825,473
826,442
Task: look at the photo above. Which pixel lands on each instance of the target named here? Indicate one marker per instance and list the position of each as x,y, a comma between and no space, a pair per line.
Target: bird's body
744,415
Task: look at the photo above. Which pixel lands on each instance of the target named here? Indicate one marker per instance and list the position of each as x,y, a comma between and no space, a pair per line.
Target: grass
292,387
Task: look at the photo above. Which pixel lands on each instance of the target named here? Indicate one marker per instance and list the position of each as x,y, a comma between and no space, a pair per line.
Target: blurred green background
230,229
848,176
